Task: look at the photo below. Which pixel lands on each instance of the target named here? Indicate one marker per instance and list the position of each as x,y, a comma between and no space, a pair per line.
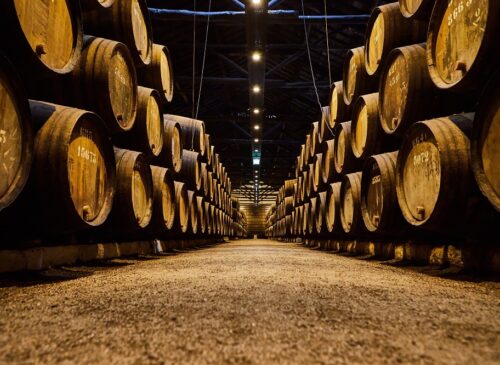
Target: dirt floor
249,302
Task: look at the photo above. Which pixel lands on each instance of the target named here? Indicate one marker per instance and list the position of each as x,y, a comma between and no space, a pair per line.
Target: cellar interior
249,182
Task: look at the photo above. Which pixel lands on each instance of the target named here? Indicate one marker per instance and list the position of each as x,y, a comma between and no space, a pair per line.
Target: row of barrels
97,155
240,224
386,161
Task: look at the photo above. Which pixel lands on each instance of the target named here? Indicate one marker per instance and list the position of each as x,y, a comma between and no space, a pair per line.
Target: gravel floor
248,302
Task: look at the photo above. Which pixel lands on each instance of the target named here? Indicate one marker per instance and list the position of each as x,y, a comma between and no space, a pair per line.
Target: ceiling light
256,161
256,110
256,140
256,56
256,150
256,127
256,89
256,2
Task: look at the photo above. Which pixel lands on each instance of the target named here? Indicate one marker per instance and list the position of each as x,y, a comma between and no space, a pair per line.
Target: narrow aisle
247,302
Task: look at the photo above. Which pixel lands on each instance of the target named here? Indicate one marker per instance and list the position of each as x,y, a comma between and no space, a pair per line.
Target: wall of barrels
86,151
409,146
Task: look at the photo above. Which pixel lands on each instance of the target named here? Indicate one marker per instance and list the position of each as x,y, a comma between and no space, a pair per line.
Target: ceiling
289,99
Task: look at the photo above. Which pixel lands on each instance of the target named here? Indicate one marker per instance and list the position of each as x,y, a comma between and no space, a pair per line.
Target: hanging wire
204,57
194,57
309,56
327,45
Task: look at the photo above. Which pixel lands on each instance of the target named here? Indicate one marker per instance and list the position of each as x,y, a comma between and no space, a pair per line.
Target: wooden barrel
379,201
310,189
127,21
163,216
147,133
89,5
305,181
339,110
205,186
356,81
433,173
289,184
307,150
320,215
158,74
328,172
314,142
42,37
288,205
193,212
190,170
73,168
172,150
462,43
388,29
16,135
208,217
133,201
311,227
208,149
332,209
367,137
105,82
202,226
192,133
344,159
181,221
318,183
405,87
416,9
325,132
350,204
306,214
485,147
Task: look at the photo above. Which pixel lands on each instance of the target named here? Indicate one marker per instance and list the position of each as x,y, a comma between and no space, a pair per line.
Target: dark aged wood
16,135
147,133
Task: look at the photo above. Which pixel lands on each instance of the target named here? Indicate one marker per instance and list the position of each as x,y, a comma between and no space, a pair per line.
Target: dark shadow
106,264
33,278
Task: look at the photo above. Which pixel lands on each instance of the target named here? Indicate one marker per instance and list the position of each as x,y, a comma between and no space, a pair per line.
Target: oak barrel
315,140
416,9
171,152
344,159
193,212
462,43
433,172
163,216
318,181
42,37
311,227
158,74
192,133
133,201
407,93
306,214
325,132
147,133
332,209
328,162
181,221
127,21
356,81
379,201
339,110
388,29
89,5
105,82
367,137
73,170
320,215
202,226
208,218
190,170
485,145
350,204
16,135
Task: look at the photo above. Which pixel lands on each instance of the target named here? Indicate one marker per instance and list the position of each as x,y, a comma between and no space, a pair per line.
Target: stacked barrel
408,147
240,224
85,148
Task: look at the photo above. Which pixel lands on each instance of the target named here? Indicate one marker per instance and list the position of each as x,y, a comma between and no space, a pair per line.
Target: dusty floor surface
247,302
